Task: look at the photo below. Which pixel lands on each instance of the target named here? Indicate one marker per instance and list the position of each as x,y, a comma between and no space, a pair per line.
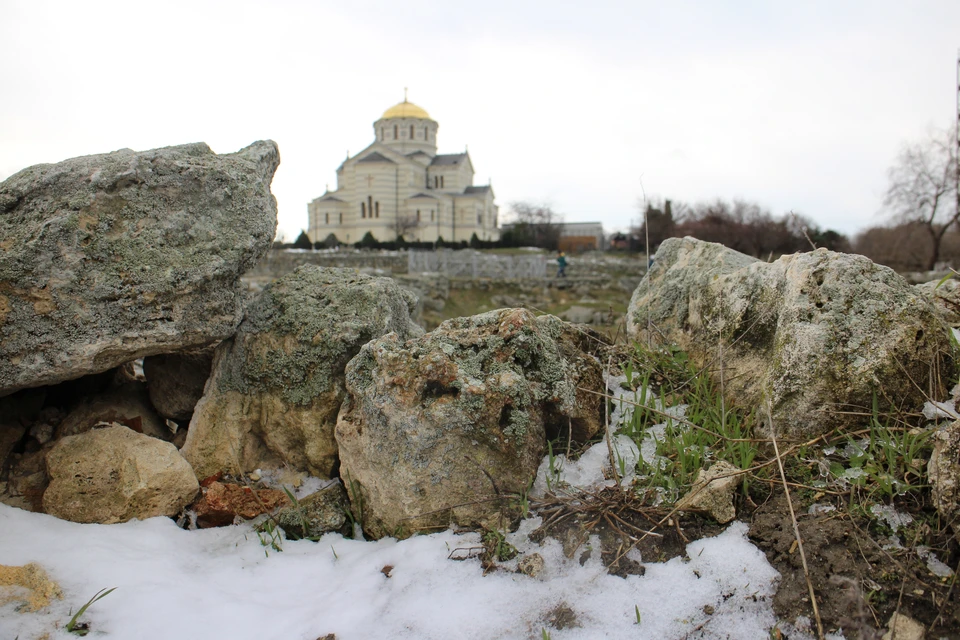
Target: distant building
581,236
400,186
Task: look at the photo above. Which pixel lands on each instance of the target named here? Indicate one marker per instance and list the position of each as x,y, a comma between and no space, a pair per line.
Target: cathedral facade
400,186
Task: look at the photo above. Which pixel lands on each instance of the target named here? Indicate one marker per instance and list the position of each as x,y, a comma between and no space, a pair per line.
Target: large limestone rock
278,384
815,333
451,427
115,474
107,258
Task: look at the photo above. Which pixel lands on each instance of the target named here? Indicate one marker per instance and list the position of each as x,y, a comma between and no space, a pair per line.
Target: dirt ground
858,583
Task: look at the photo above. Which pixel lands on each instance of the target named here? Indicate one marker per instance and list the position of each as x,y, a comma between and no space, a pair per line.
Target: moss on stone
299,334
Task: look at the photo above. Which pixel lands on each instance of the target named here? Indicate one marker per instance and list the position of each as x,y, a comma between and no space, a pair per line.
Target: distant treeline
743,226
750,229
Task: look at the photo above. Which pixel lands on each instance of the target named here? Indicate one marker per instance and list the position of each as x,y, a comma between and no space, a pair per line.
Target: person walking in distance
561,264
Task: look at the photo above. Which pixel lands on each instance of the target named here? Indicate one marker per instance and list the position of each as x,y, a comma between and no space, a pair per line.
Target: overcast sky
796,105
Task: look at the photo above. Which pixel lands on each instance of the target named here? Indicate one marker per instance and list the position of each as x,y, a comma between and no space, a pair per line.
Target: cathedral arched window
418,215
341,218
411,132
363,210
376,208
326,218
396,134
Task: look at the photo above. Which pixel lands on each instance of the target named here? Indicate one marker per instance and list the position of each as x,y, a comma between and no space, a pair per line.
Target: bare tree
405,224
536,224
921,188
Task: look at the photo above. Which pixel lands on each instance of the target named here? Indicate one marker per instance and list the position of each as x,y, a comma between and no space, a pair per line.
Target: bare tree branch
920,181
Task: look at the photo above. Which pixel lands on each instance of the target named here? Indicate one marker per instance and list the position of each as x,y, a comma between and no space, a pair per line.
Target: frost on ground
218,583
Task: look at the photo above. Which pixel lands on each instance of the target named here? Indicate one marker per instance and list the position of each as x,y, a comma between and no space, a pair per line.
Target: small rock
578,315
222,502
316,514
26,481
116,474
531,565
712,494
903,627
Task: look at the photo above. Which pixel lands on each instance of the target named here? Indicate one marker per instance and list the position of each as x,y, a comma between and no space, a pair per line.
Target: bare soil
858,583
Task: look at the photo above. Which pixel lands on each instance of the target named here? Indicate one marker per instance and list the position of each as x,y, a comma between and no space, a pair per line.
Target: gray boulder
817,334
108,258
115,474
276,387
451,427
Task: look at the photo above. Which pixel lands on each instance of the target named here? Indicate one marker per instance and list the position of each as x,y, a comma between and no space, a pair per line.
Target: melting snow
220,583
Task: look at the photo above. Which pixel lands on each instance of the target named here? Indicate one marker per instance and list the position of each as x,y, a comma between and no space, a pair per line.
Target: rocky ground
141,380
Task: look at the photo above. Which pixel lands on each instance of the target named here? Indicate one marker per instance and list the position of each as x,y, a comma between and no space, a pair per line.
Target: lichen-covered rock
712,493
945,296
176,381
817,334
116,474
451,427
108,258
943,471
277,386
26,481
321,512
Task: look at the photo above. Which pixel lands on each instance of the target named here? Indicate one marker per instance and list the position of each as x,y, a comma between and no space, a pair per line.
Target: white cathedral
400,186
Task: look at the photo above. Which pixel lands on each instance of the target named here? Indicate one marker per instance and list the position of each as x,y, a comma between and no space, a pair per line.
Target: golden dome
405,110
